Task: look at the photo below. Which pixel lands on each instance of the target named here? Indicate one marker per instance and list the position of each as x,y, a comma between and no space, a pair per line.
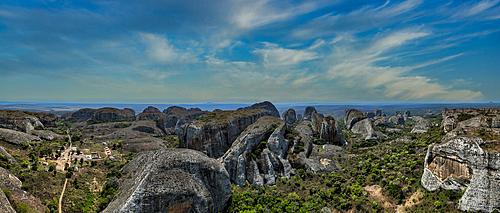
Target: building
45,163
75,169
88,157
60,168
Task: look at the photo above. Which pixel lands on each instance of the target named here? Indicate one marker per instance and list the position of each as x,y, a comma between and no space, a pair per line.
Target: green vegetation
122,125
463,117
256,150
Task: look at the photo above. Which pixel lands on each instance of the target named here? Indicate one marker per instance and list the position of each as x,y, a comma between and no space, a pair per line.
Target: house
104,143
88,157
73,149
60,168
45,163
46,169
75,169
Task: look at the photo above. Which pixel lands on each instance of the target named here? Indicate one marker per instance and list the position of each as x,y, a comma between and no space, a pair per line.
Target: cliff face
213,133
247,159
488,117
289,116
263,105
172,180
13,184
328,129
25,121
171,124
16,137
308,112
460,163
351,116
102,114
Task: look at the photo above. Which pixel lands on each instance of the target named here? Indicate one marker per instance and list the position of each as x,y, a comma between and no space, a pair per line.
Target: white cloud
161,50
273,55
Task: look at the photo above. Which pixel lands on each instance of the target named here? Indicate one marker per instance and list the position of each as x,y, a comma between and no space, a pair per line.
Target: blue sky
246,51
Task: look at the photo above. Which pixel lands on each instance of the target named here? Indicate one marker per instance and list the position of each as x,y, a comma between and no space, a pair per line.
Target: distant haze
248,51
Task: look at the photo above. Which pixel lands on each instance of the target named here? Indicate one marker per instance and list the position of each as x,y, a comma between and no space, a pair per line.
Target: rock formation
214,132
11,160
369,114
131,111
247,160
289,116
329,129
171,124
460,163
194,109
299,117
422,126
138,129
16,137
5,204
150,109
378,112
351,116
102,114
172,180
263,105
174,110
24,121
365,128
397,120
149,116
308,112
407,113
13,184
382,121
469,118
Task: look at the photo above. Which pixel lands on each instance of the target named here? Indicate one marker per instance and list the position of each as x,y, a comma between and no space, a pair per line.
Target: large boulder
289,116
172,122
407,113
263,105
299,117
214,132
150,109
10,182
16,137
101,114
149,116
351,116
129,110
308,112
397,120
172,180
259,163
174,110
382,121
460,163
365,128
369,114
422,126
328,128
378,112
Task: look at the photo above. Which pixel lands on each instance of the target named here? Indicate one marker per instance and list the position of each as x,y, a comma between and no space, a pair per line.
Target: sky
230,51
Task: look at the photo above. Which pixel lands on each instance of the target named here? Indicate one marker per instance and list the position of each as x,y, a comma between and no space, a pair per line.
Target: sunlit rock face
351,116
263,105
289,116
172,180
328,129
460,163
308,112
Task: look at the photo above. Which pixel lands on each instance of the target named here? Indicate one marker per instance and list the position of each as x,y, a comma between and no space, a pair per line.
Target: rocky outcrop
138,129
171,124
382,121
422,126
213,133
460,163
13,184
5,204
351,116
329,129
149,116
47,135
9,157
151,109
16,137
129,110
289,116
194,109
22,121
172,180
102,114
378,112
369,114
308,112
407,113
299,117
263,105
397,120
174,110
365,128
247,160
469,118
143,144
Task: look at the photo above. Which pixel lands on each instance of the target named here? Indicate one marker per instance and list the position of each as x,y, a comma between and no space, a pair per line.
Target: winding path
62,193
66,181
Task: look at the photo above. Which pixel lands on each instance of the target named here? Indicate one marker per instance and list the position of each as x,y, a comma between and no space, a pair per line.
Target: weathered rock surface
455,121
382,121
378,112
324,161
213,133
5,153
422,126
369,114
24,121
17,137
13,184
407,113
5,204
48,135
289,116
329,129
460,163
194,109
131,111
365,128
263,105
172,180
149,116
308,112
299,117
171,124
143,144
397,120
351,116
267,165
138,129
174,110
102,114
150,109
